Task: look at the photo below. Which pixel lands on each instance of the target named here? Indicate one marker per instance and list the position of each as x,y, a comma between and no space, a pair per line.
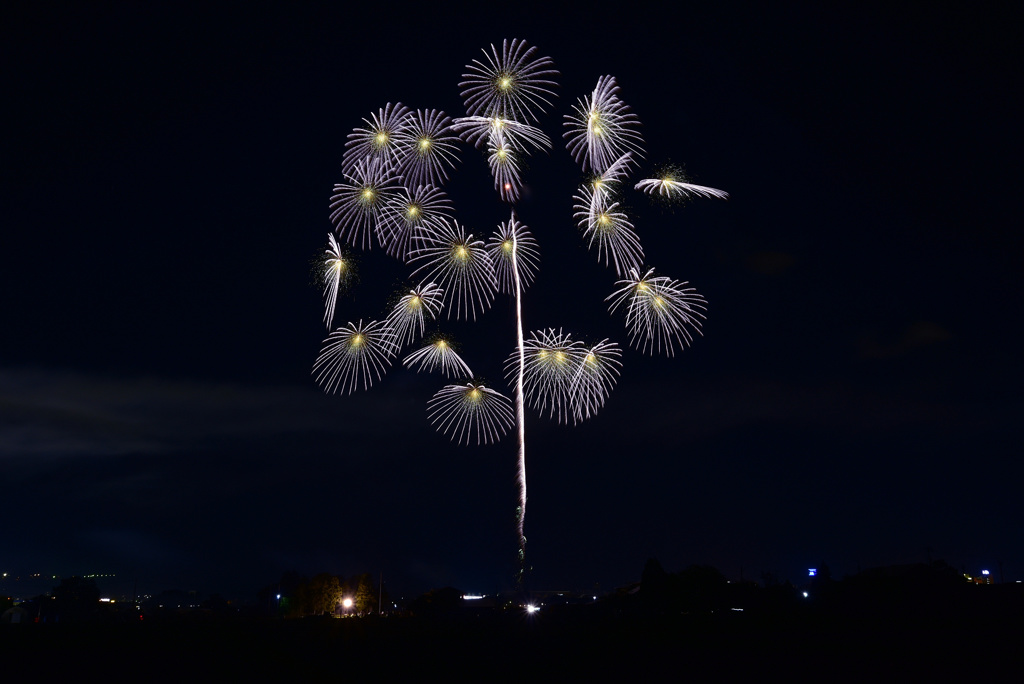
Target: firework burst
460,265
607,227
408,319
427,148
594,379
471,410
406,214
660,312
551,361
513,243
482,132
355,353
337,271
381,138
513,85
601,128
438,355
671,186
357,203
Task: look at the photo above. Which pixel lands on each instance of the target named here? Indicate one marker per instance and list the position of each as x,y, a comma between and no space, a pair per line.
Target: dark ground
965,639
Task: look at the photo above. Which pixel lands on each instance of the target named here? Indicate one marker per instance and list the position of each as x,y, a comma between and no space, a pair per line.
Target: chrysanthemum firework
608,227
483,132
355,354
408,318
471,410
405,213
357,203
512,85
660,312
552,360
459,264
594,379
337,271
438,355
428,148
601,128
505,163
511,238
380,139
671,184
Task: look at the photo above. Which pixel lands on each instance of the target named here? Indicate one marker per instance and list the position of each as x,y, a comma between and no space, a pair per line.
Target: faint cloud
914,336
48,412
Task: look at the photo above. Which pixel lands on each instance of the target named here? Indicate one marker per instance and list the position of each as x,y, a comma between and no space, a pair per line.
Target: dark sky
855,399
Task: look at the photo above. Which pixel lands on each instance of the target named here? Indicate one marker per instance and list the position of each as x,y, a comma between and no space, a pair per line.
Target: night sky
855,399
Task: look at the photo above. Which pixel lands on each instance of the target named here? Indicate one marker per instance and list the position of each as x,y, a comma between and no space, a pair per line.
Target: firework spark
470,410
438,355
660,312
510,85
602,128
355,353
460,265
407,319
513,243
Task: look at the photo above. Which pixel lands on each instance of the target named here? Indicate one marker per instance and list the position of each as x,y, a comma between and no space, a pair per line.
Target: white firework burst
458,264
482,131
470,410
594,379
670,187
504,163
513,238
428,147
551,363
605,185
511,85
357,203
355,354
408,318
405,213
380,139
601,128
609,228
337,270
439,355
661,313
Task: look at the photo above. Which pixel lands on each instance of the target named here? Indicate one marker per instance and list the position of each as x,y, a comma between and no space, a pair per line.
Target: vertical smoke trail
520,412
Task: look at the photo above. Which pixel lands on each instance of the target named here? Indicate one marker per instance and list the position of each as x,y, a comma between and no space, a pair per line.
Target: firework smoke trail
520,409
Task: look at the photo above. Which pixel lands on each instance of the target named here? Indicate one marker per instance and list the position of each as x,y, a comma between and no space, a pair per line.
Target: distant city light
532,608
811,572
278,597
984,572
806,594
473,597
